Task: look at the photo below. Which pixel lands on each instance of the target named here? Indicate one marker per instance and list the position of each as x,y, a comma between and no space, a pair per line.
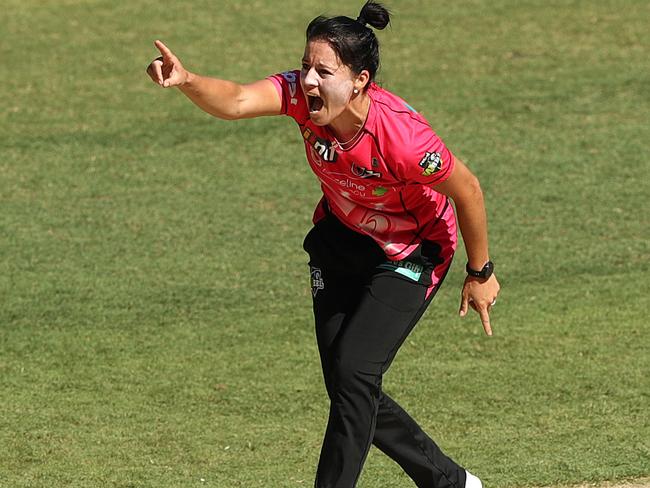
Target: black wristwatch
484,274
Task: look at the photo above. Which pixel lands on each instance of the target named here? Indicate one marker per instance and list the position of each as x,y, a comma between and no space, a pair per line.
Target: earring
356,91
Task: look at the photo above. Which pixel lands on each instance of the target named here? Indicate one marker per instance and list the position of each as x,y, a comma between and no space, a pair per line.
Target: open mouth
315,103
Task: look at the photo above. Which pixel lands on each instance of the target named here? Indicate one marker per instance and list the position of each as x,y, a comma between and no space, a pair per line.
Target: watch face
485,273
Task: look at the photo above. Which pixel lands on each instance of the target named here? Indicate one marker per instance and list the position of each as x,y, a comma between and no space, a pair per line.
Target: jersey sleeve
293,101
426,160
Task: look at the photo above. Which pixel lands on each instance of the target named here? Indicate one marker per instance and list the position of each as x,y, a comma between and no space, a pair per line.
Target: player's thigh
332,303
386,313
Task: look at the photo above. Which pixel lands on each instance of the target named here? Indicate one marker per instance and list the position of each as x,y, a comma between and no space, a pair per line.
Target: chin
318,119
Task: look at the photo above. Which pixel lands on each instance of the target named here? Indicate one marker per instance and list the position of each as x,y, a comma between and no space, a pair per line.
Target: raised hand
167,70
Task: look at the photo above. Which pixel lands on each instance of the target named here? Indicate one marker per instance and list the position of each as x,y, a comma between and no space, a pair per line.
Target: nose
310,78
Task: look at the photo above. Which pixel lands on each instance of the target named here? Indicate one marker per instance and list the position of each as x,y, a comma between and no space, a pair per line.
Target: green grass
155,327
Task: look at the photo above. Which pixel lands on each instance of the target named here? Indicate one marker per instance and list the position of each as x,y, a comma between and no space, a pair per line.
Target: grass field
155,327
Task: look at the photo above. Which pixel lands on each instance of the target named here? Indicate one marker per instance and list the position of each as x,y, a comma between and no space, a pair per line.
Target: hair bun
375,14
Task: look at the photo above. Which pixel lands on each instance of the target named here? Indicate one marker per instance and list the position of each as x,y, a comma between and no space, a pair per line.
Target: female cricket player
384,232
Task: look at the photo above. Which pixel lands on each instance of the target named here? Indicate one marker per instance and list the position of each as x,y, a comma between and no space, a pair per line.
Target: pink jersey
381,186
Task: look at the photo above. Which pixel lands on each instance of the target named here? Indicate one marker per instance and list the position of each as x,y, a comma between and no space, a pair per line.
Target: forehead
321,52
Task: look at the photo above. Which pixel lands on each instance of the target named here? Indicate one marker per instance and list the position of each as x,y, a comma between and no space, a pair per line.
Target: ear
362,80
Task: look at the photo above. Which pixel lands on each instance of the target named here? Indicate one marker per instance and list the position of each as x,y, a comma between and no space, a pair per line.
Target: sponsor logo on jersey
380,191
362,172
431,163
348,184
411,270
323,148
343,185
292,79
317,282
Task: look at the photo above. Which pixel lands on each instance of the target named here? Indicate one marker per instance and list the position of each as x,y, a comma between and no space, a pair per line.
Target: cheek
339,94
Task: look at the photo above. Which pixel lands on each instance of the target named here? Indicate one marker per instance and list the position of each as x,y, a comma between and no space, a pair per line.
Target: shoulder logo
292,79
431,163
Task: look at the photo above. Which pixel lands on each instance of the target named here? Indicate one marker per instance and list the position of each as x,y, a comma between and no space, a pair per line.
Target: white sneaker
472,481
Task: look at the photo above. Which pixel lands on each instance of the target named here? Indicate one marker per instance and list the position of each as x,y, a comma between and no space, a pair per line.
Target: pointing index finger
164,50
485,318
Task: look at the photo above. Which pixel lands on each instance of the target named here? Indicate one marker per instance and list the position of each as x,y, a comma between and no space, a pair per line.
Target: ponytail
375,14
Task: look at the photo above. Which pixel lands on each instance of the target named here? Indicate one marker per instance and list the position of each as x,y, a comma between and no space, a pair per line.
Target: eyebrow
321,65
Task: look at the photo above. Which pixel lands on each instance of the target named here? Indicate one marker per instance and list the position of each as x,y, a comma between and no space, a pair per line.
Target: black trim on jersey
442,213
416,235
407,211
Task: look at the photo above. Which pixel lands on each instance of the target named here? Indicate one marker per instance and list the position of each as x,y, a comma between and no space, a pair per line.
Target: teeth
315,103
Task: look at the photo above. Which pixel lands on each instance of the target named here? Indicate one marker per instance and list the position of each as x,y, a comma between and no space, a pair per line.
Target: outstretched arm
221,98
464,189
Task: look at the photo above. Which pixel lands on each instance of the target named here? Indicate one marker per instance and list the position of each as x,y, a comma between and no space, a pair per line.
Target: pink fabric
381,186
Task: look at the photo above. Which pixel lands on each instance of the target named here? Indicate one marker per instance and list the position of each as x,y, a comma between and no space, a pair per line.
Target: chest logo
322,147
431,163
362,172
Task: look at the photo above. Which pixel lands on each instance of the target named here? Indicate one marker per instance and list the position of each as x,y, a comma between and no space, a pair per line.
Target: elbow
469,193
236,109
231,112
231,105
474,187
227,116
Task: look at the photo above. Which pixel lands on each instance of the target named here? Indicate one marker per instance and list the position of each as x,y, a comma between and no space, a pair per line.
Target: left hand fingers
482,297
485,318
484,313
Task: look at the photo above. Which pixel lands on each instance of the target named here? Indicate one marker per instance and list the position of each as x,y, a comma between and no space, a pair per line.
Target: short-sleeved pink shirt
381,186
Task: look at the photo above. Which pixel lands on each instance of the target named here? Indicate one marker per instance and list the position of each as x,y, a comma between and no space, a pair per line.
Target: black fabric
363,314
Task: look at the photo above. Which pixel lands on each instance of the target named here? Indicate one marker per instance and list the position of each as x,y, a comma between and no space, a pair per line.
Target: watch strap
484,273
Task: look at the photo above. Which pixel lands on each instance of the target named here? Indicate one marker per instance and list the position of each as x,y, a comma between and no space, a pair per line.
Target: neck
348,124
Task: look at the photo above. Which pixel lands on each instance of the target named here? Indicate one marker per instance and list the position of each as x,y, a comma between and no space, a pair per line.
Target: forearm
217,97
465,190
472,221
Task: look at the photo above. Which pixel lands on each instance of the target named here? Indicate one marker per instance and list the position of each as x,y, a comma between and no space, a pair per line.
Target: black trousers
365,306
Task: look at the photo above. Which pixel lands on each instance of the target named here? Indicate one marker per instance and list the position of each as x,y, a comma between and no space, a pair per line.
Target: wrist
477,264
189,80
482,272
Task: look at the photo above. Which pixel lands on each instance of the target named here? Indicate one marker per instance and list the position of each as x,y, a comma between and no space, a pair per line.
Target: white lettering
318,161
349,184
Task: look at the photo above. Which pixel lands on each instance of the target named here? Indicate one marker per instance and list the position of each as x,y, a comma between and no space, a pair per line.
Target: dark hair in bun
375,14
355,44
